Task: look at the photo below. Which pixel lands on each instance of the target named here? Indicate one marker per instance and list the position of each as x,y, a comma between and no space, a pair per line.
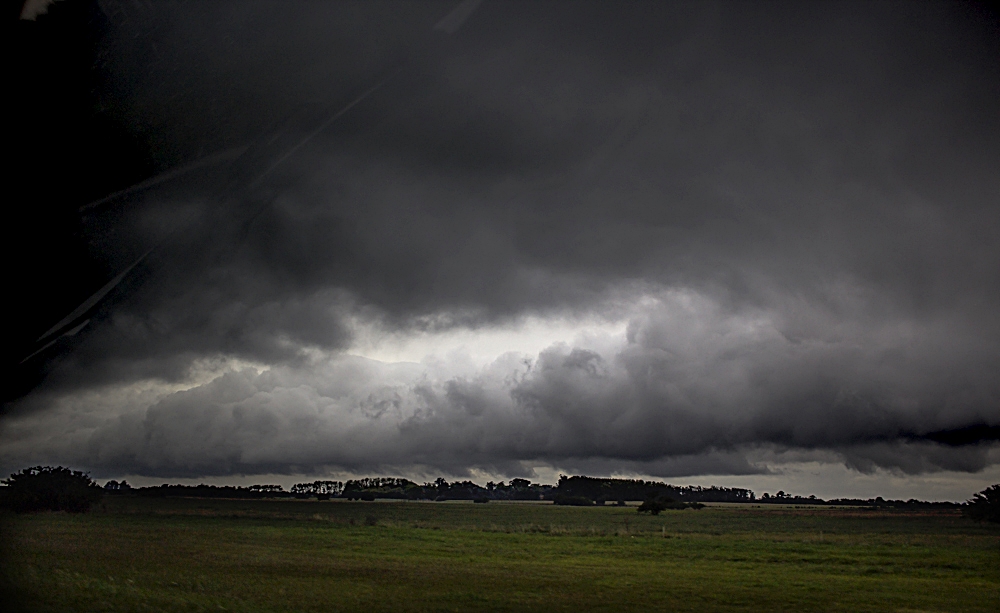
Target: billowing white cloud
691,388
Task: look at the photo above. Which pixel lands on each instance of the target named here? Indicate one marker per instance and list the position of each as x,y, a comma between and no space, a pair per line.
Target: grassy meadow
176,554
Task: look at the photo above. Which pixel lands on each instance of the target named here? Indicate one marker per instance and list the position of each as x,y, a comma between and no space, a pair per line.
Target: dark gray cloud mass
794,206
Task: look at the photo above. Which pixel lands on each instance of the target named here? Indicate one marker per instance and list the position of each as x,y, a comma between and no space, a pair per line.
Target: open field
175,554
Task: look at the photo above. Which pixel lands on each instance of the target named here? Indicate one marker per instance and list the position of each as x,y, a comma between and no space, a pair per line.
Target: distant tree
637,489
117,487
330,488
44,488
984,506
305,490
654,505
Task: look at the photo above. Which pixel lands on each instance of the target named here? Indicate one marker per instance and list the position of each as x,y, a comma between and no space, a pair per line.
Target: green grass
201,555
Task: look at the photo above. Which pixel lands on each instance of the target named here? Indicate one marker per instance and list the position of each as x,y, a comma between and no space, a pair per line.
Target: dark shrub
984,506
653,506
367,496
322,496
481,500
572,501
43,488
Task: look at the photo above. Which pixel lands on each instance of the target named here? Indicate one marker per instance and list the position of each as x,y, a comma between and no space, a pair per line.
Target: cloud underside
801,238
691,389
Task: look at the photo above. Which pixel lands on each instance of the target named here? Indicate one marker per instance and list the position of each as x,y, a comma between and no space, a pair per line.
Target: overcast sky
750,244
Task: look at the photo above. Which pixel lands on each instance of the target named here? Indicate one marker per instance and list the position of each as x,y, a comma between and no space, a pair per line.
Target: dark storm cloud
816,182
693,390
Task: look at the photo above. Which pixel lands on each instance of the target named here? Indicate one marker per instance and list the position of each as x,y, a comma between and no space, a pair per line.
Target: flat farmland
177,554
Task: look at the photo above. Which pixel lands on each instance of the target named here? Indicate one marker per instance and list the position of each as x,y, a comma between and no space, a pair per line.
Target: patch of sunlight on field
201,555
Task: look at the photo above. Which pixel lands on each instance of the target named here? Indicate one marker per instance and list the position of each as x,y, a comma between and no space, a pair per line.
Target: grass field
289,555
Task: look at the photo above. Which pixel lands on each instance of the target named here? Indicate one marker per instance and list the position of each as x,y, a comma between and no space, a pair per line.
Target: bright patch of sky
479,347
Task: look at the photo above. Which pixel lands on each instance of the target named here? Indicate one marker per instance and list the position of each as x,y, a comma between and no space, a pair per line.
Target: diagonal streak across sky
450,24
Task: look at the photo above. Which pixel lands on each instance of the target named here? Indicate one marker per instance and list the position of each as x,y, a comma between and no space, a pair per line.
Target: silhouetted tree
326,489
637,489
984,506
117,487
43,488
654,505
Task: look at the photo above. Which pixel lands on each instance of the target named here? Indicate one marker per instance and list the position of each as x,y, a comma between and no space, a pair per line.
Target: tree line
62,489
603,490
